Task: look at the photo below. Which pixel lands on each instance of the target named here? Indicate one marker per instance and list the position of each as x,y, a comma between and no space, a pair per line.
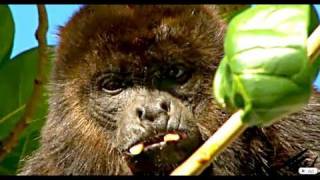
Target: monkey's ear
226,12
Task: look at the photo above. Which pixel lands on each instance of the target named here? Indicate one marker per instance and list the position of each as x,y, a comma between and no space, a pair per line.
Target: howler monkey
131,93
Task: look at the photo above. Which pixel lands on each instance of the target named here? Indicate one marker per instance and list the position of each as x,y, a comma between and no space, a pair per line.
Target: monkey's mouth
163,151
158,141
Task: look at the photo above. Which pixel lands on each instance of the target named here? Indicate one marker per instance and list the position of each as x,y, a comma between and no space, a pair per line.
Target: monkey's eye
111,85
176,72
179,73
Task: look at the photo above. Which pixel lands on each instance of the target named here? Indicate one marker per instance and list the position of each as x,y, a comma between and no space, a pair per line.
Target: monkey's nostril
165,106
139,112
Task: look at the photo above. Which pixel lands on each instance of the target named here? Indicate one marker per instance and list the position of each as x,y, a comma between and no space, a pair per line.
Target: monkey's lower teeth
171,137
136,149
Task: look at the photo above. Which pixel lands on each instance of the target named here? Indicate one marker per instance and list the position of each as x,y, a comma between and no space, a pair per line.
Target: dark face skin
130,75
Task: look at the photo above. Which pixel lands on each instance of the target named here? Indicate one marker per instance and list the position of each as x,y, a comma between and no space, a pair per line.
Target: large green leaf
16,81
265,70
6,33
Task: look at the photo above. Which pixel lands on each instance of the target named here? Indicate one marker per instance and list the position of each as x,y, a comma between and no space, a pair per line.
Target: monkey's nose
153,112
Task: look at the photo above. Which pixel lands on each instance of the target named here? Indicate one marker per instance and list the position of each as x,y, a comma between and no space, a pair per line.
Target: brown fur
104,37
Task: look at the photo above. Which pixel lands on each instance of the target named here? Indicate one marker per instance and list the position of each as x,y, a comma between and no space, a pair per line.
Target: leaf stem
12,140
2,120
224,136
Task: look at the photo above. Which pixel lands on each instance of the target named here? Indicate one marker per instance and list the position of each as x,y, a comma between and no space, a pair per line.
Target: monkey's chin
161,158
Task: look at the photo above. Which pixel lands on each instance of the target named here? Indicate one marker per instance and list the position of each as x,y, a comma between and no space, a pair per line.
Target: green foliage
265,70
6,33
17,80
17,77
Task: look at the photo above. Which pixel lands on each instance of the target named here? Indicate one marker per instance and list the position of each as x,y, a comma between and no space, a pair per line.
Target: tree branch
12,140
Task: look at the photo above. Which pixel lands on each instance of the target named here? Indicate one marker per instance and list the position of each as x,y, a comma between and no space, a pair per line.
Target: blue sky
25,17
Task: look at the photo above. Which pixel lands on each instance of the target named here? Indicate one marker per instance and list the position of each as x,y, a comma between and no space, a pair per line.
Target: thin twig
12,140
224,136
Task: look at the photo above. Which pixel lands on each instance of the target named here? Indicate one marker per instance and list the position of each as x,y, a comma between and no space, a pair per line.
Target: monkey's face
150,114
143,77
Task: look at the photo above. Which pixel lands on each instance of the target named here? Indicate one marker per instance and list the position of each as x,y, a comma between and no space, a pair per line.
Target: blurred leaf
6,33
314,20
265,70
16,81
